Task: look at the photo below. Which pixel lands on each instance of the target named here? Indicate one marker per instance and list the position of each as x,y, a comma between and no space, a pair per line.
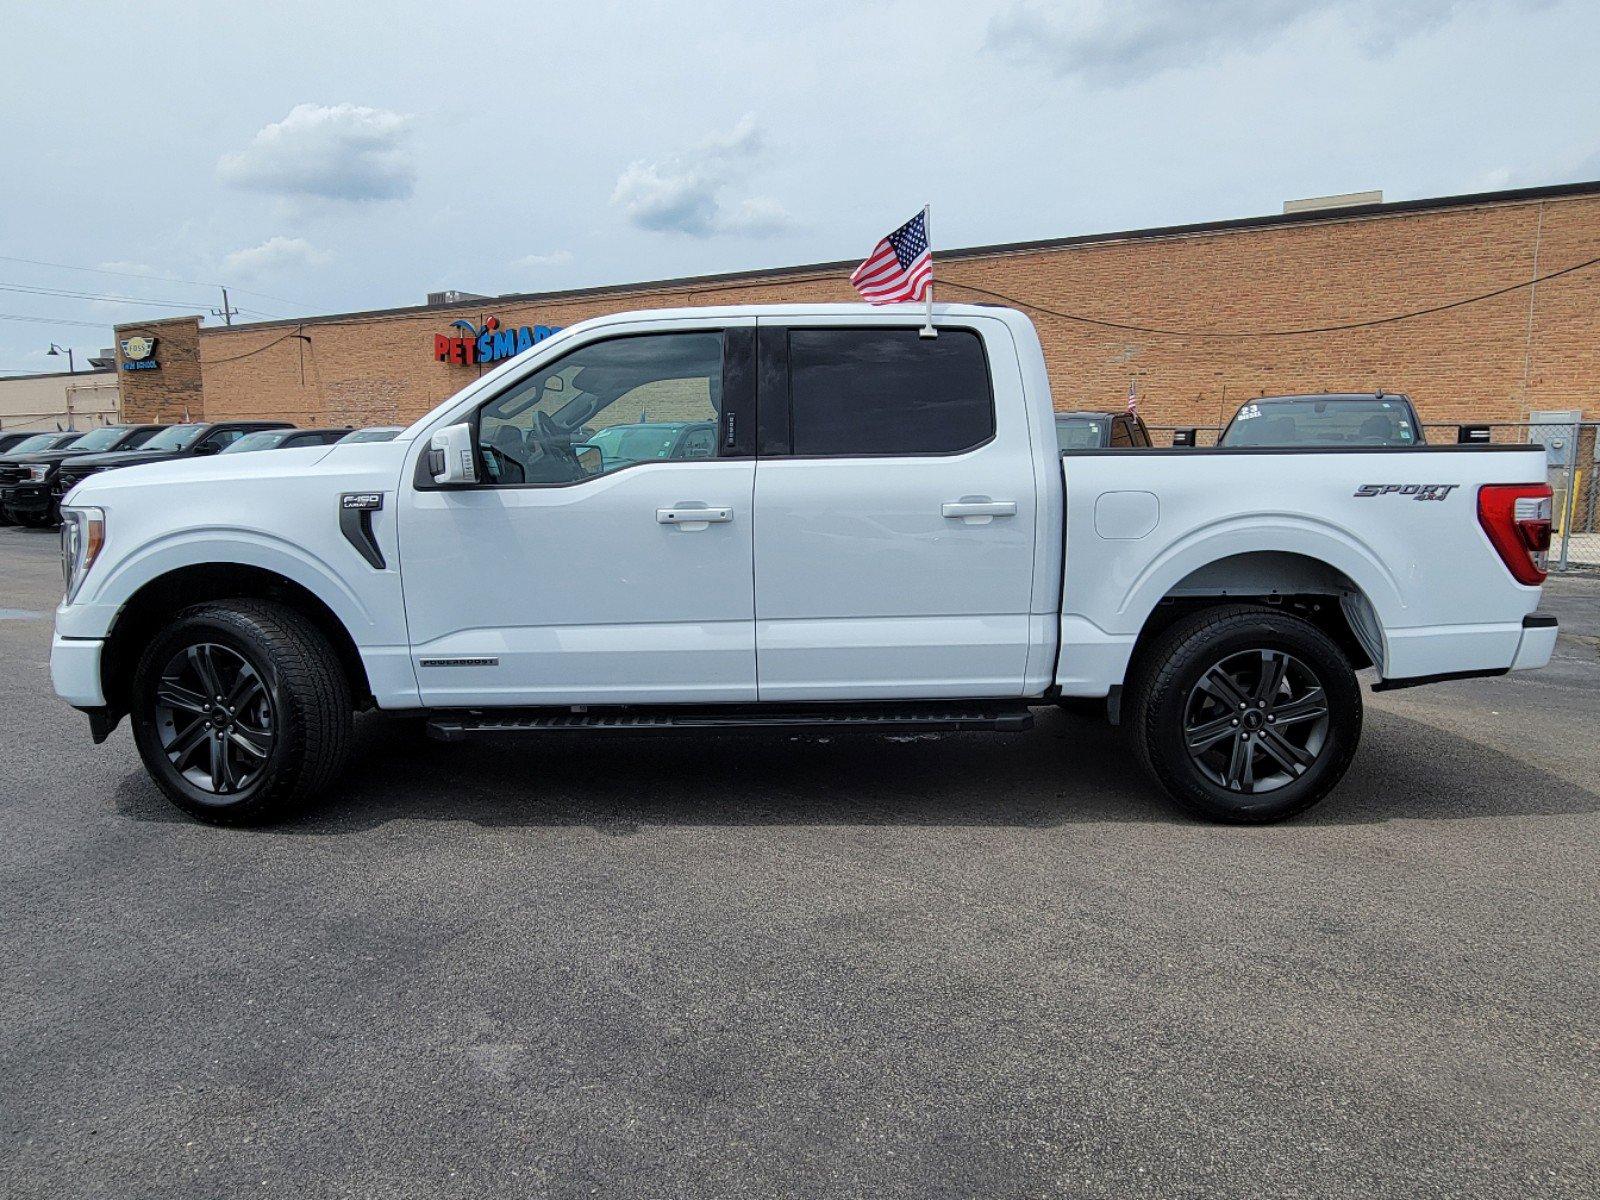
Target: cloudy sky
325,157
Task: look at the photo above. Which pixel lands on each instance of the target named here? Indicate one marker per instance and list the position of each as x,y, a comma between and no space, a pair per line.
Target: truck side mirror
1183,437
452,457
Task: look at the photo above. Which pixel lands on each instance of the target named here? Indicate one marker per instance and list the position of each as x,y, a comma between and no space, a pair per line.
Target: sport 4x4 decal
1417,491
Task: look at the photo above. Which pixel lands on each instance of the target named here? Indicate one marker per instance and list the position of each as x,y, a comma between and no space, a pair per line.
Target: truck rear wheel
1244,714
241,711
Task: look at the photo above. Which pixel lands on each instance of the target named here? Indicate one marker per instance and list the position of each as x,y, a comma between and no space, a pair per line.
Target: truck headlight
83,534
37,474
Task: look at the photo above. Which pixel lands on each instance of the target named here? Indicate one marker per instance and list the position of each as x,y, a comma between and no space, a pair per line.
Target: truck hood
121,458
45,456
143,471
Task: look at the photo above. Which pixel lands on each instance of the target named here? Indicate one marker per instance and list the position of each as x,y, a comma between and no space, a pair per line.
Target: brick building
1528,350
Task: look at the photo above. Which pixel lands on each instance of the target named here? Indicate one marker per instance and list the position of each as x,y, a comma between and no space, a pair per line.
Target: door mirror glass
451,458
590,459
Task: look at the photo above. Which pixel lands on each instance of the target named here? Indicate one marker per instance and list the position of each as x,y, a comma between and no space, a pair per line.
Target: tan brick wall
171,393
1495,360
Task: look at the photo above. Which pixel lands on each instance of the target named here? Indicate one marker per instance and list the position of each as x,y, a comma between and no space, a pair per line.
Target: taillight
1516,516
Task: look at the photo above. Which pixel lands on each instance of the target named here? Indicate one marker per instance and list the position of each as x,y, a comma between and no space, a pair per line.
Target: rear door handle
980,508
693,516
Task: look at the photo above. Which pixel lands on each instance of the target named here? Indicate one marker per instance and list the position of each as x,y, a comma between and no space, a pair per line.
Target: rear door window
888,392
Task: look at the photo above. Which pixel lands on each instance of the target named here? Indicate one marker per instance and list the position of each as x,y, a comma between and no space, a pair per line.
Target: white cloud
684,193
1111,43
274,256
337,152
531,262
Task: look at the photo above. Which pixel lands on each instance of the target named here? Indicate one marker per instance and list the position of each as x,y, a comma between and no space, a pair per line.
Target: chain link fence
1572,467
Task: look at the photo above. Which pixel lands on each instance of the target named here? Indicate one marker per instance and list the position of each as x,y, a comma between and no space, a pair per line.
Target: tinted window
603,407
1308,421
888,391
264,440
1081,433
103,438
174,437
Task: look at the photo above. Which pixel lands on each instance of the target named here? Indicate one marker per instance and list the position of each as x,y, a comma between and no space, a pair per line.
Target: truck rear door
895,511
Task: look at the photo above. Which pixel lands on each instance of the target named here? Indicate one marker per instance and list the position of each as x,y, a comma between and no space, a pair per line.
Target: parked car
190,440
31,445
1100,430
285,439
8,441
27,481
1328,419
374,433
647,440
896,545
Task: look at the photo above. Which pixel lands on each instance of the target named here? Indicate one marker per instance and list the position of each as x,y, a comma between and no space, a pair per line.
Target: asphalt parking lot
767,966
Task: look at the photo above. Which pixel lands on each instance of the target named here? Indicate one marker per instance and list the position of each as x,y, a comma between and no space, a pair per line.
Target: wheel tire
5,516
35,520
306,719
1168,705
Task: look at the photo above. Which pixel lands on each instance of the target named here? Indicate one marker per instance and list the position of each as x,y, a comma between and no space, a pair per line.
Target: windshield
38,441
636,442
265,440
380,434
1080,433
178,437
1310,421
100,439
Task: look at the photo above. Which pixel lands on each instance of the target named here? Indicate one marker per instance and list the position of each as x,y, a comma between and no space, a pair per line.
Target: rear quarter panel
1138,523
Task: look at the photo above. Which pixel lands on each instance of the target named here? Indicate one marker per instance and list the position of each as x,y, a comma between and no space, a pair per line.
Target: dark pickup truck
27,491
174,441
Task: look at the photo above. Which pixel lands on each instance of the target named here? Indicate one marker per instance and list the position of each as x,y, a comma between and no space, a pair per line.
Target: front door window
604,407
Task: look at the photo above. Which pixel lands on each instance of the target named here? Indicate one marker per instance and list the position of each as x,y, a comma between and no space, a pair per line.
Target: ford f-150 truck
886,538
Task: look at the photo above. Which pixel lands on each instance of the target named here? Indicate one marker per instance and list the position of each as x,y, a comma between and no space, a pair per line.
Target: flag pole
927,330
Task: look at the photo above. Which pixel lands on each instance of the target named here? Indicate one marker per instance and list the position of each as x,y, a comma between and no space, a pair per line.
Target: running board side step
936,717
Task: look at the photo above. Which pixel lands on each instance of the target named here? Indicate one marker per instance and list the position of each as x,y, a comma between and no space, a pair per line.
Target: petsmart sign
489,343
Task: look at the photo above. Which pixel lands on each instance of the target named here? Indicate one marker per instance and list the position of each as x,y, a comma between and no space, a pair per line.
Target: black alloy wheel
241,710
1244,713
1256,721
214,718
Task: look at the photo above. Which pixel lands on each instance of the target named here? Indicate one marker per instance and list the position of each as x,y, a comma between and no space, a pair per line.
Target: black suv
174,441
27,447
27,494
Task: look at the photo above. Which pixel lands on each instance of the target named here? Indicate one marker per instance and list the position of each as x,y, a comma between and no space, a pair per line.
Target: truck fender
244,547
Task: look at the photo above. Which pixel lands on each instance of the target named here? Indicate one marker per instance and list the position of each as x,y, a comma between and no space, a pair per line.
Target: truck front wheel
1244,714
241,711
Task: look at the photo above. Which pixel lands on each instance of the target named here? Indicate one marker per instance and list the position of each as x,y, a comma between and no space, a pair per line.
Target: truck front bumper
29,499
75,671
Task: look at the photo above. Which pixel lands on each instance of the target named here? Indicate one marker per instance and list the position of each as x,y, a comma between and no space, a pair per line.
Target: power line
140,275
54,321
38,291
1273,333
235,358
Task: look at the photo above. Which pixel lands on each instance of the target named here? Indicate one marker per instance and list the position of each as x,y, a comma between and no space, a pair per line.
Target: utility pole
226,312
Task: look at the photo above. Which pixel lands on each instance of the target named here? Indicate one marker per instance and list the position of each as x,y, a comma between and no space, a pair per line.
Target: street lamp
55,350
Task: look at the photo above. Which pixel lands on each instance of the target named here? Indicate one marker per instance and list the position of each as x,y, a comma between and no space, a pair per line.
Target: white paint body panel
835,579
1442,596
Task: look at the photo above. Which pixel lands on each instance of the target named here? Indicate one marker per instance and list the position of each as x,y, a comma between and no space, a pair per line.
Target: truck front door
563,578
895,513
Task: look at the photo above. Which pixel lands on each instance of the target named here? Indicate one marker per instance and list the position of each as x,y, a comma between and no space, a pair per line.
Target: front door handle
693,517
980,508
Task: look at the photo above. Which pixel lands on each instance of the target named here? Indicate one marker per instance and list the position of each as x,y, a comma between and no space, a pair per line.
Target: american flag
1133,400
900,267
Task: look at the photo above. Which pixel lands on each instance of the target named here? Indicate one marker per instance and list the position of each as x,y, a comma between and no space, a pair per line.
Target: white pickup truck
868,528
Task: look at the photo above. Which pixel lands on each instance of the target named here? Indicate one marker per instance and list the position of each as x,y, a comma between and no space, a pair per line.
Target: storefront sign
488,344
139,354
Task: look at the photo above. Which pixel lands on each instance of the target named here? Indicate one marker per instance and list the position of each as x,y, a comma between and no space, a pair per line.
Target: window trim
738,409
775,402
